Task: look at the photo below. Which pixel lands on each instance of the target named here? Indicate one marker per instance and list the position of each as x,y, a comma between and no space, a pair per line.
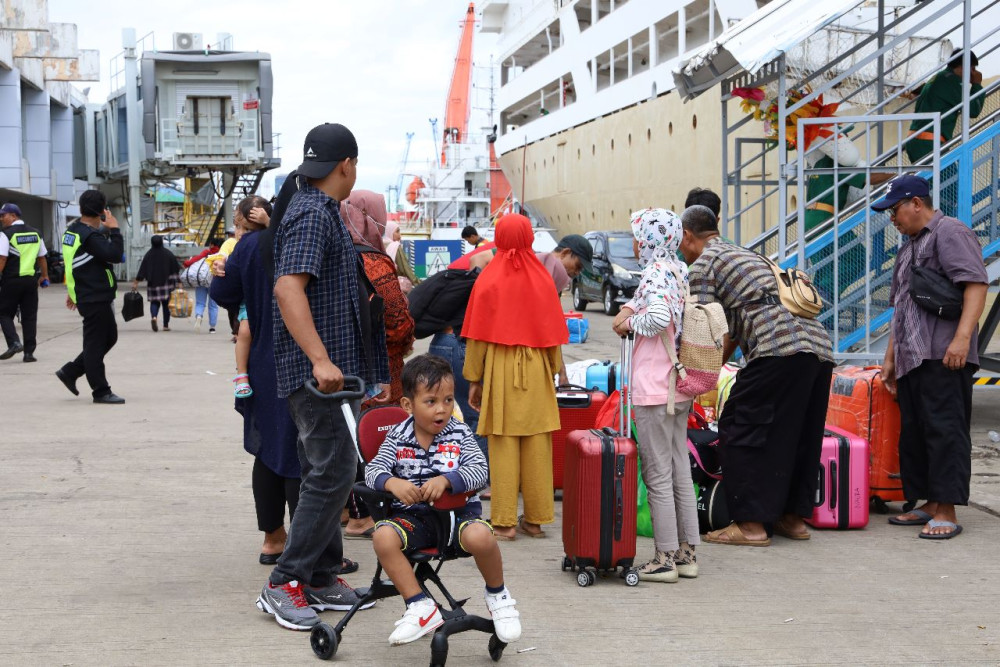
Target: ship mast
456,121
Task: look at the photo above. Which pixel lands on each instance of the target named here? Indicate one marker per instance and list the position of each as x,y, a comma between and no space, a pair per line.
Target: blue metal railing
977,207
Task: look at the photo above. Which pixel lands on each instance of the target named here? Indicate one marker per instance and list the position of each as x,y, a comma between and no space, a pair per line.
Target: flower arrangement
755,101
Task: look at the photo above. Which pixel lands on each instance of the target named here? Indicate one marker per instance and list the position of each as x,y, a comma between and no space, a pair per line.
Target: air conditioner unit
188,41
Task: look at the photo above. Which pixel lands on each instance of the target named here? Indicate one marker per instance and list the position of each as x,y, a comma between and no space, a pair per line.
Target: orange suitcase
861,404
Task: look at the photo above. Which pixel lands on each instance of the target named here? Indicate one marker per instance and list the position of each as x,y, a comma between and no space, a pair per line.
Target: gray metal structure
962,171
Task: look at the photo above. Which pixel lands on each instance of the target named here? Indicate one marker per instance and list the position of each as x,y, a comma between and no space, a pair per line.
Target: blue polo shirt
312,239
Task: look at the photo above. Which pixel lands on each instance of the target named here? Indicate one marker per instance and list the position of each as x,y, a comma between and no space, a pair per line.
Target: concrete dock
129,538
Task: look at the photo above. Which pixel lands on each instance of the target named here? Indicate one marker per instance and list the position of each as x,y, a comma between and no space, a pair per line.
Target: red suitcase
578,408
600,499
860,404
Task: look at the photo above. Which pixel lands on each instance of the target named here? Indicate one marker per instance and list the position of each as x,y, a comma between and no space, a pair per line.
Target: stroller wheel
496,648
324,641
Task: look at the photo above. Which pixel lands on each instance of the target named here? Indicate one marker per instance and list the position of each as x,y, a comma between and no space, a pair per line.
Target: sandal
504,537
347,566
243,388
539,534
781,529
732,534
363,535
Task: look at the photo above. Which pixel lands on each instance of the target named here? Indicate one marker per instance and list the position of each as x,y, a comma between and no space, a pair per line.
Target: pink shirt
651,368
555,268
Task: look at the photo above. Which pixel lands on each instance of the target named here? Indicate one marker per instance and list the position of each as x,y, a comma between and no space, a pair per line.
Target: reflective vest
25,244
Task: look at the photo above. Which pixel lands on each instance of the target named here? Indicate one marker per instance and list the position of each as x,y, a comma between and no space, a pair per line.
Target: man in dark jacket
23,270
90,246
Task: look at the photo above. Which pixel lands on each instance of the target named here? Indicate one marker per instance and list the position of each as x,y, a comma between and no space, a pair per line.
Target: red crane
456,120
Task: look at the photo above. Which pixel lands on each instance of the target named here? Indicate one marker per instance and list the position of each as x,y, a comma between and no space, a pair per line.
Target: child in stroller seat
423,458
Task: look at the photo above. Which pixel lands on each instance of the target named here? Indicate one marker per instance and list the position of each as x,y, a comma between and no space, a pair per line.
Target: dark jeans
452,348
771,436
100,333
935,447
314,551
154,310
271,492
21,292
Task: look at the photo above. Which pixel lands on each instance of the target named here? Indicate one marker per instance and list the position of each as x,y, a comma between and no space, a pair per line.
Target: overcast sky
380,67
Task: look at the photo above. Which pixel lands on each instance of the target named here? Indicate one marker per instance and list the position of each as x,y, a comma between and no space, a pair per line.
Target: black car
615,275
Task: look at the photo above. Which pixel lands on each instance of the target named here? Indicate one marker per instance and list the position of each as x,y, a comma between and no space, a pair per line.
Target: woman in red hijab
514,328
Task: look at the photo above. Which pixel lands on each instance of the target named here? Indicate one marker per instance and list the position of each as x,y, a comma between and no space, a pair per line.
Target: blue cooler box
605,376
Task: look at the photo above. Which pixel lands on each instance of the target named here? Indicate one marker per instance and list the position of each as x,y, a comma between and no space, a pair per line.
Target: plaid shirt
312,239
733,276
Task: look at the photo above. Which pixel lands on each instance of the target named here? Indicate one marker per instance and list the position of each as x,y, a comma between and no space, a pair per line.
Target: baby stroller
369,433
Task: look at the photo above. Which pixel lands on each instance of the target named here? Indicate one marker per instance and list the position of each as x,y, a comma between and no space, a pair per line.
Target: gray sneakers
338,596
287,603
660,569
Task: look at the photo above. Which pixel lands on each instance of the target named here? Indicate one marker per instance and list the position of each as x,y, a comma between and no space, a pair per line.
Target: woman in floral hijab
655,314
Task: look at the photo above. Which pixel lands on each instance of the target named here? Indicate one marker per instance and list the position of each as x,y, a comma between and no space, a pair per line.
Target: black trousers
271,492
100,333
771,436
935,446
20,293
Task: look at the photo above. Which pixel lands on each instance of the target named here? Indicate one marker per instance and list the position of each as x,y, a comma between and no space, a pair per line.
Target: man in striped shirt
771,432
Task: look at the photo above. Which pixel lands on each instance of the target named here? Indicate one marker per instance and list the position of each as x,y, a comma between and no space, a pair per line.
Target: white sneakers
423,617
197,324
420,618
506,621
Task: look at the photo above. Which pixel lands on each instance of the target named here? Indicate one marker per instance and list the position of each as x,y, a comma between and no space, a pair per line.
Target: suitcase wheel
879,506
908,506
632,577
566,563
586,578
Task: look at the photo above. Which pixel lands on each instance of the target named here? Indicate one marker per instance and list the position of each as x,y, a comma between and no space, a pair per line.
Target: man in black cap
573,255
23,269
325,327
929,361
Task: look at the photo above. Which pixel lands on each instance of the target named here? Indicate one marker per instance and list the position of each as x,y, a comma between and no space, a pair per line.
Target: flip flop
934,523
348,566
364,535
924,517
504,538
541,534
779,529
732,534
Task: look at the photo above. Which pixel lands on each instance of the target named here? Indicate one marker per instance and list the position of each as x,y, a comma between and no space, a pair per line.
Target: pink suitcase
843,491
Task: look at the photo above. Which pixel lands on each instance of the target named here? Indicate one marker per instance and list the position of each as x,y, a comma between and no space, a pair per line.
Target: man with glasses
929,361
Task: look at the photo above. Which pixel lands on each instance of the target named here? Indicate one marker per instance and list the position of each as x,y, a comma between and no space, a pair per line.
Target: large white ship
590,124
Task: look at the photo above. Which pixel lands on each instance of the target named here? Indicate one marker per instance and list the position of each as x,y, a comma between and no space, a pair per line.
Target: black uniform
89,254
19,286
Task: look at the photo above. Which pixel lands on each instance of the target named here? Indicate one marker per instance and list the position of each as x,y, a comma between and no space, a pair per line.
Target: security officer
89,250
23,269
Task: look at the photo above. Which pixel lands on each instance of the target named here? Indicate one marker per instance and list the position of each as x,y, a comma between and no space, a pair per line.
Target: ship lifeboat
413,189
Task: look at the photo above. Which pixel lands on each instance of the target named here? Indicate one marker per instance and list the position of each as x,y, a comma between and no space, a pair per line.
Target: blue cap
903,187
10,208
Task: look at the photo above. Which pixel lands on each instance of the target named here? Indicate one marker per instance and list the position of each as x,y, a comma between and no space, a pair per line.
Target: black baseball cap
580,247
325,147
903,187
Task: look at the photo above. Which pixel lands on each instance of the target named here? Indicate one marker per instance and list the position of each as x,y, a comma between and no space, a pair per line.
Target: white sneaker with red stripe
420,618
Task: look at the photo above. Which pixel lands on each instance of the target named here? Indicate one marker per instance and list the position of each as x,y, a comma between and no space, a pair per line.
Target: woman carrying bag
160,269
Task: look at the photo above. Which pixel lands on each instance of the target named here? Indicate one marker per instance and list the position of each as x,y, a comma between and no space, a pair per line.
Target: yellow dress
519,413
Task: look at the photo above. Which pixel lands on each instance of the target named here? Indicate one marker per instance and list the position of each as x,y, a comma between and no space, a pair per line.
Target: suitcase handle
619,509
833,485
820,488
